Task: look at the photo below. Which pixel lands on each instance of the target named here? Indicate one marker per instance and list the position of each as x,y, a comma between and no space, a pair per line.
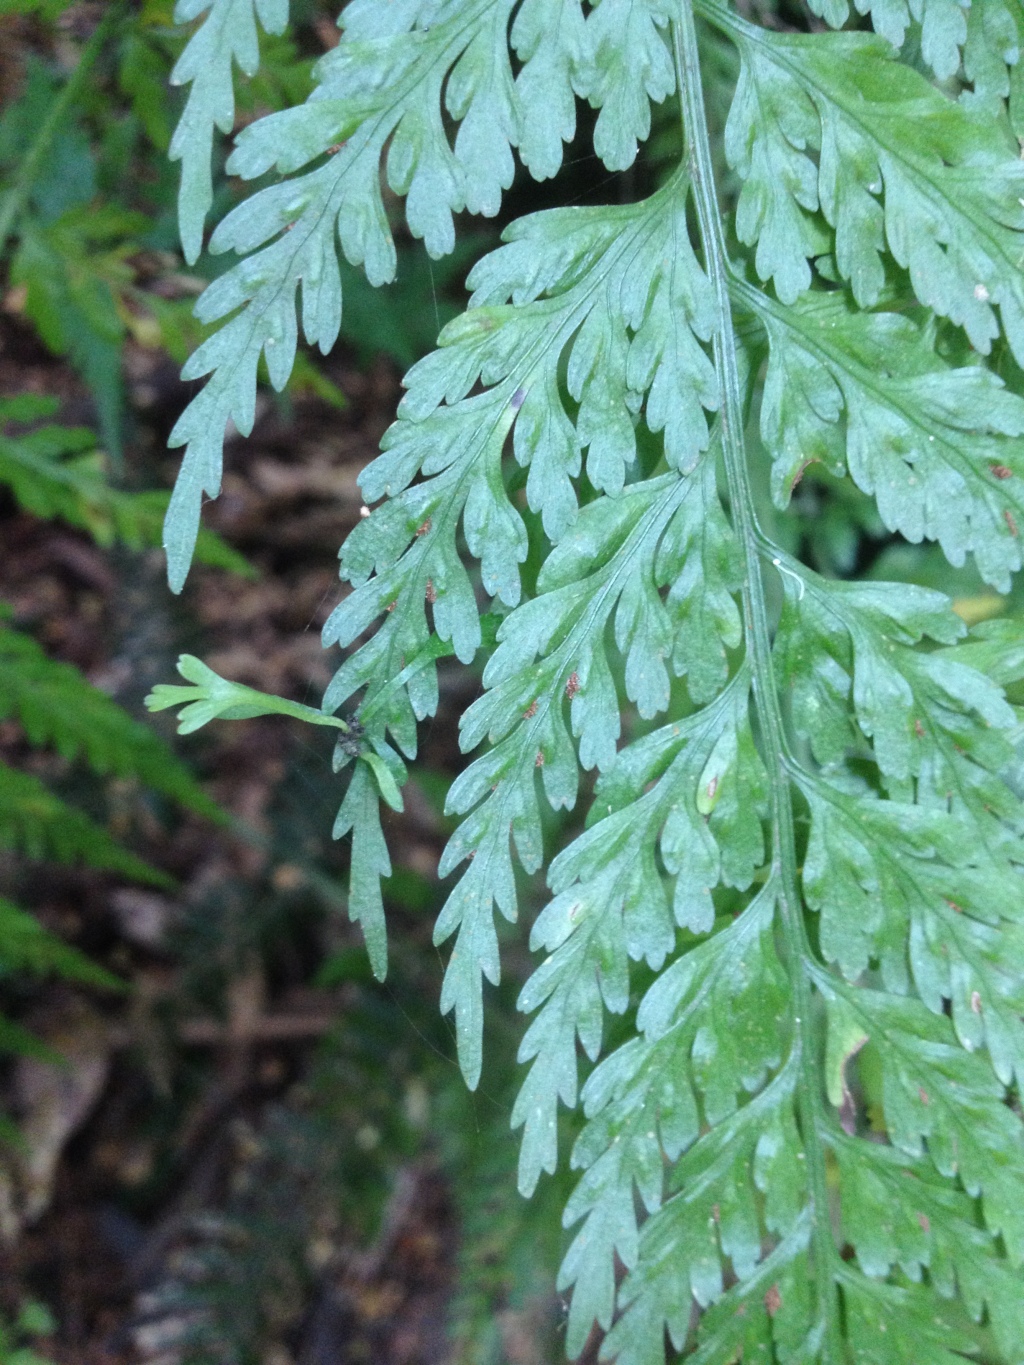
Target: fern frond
72,271
227,35
56,471
35,822
943,196
55,704
943,25
984,35
578,312
800,893
688,792
992,58
938,447
382,87
642,1102
25,946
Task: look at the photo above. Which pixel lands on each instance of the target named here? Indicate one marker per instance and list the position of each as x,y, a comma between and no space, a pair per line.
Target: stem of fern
766,700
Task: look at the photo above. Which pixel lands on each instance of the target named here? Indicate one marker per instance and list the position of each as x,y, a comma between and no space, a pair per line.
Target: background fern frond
39,824
55,704
26,947
57,471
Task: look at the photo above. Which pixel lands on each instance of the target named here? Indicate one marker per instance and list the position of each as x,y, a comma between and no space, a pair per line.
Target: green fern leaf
25,946
378,774
56,471
385,86
35,822
497,341
936,1090
991,58
688,791
227,35
55,704
943,197
550,42
939,448
797,893
916,707
577,314
996,649
642,1101
944,26
382,83
630,65
360,814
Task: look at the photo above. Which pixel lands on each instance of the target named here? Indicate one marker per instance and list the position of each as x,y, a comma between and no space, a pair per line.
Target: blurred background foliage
221,1141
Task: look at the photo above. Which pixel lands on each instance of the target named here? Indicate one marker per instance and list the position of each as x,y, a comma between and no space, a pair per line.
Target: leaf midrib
766,701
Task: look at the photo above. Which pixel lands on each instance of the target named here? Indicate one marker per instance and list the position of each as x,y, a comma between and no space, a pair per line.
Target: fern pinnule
227,35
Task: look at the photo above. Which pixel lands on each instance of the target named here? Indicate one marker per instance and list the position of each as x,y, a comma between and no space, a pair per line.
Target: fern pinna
806,828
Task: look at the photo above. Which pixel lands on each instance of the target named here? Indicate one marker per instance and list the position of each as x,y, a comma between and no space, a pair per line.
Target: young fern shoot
808,1147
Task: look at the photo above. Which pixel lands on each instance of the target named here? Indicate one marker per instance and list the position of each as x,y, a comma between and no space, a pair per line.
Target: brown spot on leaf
923,1095
1001,471
925,1222
424,527
531,710
848,1105
431,592
799,474
773,1300
1011,523
572,686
